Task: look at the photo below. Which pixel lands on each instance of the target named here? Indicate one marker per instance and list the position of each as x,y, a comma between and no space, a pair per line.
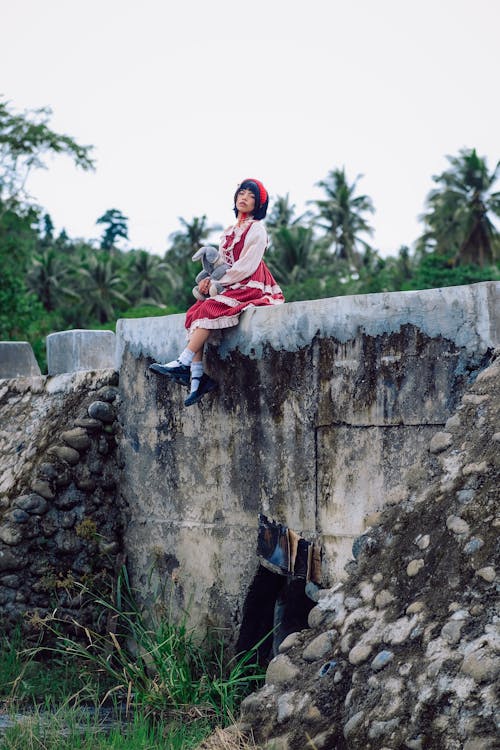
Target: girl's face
245,201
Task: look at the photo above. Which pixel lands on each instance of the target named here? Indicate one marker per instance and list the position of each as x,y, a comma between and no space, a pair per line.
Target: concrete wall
321,410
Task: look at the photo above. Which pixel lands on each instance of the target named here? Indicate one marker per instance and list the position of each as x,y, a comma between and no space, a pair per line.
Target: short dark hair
260,208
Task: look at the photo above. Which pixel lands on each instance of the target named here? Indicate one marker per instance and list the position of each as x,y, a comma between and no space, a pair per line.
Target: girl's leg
188,367
197,341
192,353
200,382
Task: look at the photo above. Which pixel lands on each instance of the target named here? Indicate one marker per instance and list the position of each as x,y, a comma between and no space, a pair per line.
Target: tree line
52,283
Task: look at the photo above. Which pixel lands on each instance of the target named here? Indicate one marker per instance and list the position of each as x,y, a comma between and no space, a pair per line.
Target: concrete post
68,351
17,360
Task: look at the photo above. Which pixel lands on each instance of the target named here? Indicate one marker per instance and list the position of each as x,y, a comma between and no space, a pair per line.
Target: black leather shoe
179,374
206,385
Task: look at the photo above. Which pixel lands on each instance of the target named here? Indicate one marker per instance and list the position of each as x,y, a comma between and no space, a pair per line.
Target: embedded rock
76,438
102,411
281,671
440,442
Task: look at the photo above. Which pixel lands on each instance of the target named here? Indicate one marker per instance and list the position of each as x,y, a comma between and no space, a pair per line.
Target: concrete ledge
468,316
17,360
69,351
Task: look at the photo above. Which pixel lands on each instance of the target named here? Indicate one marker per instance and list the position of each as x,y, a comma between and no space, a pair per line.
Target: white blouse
252,253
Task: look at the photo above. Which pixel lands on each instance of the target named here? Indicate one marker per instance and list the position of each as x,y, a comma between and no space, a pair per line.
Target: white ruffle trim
229,301
227,321
214,324
267,288
237,231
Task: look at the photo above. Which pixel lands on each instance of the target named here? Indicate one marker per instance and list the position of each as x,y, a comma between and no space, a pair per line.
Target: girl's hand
204,286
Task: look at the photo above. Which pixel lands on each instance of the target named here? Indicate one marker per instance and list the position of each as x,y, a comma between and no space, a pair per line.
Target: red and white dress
248,282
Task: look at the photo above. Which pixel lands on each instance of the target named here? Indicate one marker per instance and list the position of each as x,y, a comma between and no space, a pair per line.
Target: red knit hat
260,194
262,189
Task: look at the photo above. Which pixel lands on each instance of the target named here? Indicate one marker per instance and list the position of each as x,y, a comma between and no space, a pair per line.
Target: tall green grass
76,730
25,678
150,661
169,688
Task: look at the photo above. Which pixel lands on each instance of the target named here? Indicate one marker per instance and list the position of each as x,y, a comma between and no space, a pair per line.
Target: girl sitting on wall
248,283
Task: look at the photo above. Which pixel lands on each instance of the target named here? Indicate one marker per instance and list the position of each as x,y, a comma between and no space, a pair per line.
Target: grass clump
26,679
165,686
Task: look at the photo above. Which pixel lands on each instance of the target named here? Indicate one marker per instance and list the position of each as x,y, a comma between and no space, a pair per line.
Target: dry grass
231,738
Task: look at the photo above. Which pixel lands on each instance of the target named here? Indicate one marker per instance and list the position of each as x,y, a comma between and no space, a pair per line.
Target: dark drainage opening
274,607
276,603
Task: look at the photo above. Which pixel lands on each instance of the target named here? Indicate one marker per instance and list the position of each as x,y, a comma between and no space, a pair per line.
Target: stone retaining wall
69,351
60,526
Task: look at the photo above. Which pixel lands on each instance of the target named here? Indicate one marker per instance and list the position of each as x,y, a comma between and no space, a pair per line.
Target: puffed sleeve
256,242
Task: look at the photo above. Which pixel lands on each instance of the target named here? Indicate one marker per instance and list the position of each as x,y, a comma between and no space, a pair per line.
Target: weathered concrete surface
17,360
322,408
70,351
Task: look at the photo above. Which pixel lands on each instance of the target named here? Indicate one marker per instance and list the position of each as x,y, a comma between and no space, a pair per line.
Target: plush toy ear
199,254
207,251
211,253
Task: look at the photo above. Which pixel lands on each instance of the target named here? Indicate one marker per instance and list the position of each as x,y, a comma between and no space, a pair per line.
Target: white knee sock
196,373
184,358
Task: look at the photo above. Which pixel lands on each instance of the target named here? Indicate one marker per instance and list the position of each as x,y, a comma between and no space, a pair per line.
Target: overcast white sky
184,99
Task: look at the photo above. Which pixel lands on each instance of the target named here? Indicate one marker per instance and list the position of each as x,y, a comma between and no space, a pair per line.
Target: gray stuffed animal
213,268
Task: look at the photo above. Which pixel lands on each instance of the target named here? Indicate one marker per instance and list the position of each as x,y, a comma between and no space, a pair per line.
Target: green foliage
342,215
186,241
148,280
10,661
115,224
88,728
25,138
294,252
20,311
180,268
282,214
460,210
103,288
436,270
149,311
26,679
163,686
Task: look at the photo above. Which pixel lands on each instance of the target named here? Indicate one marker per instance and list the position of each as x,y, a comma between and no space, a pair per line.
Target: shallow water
86,719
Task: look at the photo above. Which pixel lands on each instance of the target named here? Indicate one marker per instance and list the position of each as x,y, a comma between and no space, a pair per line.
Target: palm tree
148,278
101,288
294,251
282,214
458,220
342,215
45,277
184,243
